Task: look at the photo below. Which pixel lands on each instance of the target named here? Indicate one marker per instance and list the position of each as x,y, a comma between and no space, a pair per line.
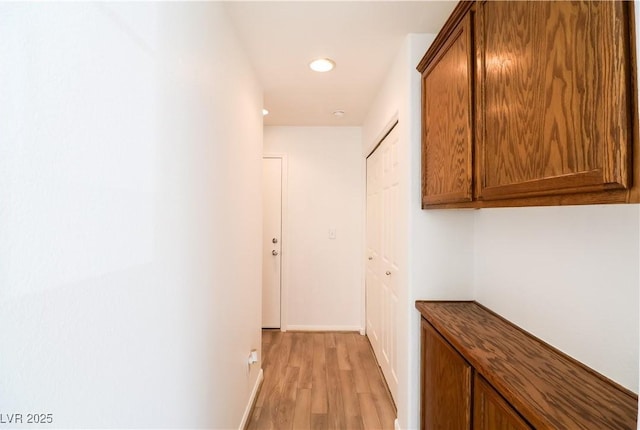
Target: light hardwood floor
320,381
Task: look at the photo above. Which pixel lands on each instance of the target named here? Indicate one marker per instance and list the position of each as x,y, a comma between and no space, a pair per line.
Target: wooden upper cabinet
528,103
553,98
447,117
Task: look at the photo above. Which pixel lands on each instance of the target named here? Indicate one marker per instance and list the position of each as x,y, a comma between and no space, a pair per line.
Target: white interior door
374,247
272,241
383,182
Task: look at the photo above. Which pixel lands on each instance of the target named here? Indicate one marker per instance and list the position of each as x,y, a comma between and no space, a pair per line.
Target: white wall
326,188
121,302
569,275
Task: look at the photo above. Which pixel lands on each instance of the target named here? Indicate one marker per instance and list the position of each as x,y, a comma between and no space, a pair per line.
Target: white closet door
374,248
382,255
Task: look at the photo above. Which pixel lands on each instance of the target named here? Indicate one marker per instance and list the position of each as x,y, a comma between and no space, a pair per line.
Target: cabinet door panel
553,82
446,384
491,411
447,133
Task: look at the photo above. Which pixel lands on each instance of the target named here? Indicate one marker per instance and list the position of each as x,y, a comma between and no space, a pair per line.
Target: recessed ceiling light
338,113
322,65
265,112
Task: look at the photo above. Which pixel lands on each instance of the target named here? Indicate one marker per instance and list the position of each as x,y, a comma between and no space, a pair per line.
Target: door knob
274,252
387,273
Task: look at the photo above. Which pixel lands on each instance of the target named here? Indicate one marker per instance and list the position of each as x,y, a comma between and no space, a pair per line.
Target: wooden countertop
550,389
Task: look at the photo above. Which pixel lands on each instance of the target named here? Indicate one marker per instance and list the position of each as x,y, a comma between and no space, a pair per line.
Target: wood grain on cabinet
447,141
491,411
554,115
546,387
553,98
446,384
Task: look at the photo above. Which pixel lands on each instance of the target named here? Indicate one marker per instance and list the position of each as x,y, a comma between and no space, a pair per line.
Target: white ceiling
362,37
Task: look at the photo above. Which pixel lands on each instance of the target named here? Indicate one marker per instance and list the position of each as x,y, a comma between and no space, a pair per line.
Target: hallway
320,380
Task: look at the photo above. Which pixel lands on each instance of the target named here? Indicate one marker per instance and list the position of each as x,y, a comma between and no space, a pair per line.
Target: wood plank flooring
321,381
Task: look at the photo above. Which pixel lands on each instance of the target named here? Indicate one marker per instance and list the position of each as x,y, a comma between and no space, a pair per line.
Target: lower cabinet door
446,384
491,411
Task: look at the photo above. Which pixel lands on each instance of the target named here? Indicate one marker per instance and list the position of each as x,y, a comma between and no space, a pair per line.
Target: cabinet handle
387,273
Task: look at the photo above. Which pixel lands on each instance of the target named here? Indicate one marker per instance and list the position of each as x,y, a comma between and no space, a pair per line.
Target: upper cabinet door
447,136
553,94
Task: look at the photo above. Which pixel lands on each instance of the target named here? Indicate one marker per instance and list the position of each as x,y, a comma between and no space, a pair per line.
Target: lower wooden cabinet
446,400
448,396
481,372
491,411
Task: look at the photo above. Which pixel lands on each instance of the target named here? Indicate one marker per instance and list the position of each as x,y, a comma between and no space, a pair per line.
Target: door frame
284,239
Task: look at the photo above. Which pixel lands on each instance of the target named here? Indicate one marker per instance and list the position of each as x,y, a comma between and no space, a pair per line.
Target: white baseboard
252,400
396,424
324,328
